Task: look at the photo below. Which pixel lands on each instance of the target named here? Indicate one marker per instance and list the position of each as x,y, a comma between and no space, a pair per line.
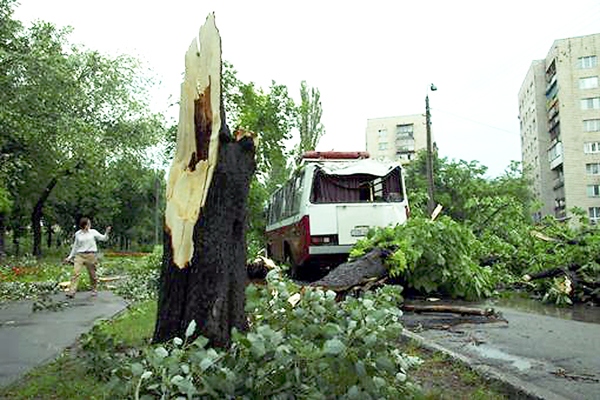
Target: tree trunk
204,262
445,308
16,241
36,217
49,236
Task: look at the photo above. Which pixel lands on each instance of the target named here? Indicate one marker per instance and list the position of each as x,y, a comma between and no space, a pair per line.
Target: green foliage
309,123
467,195
140,282
69,115
46,303
27,278
301,344
271,114
439,256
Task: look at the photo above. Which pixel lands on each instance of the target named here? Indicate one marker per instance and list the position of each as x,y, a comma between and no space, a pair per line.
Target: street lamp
430,200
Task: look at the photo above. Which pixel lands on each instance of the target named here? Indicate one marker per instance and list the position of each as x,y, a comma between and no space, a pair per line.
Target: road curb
518,388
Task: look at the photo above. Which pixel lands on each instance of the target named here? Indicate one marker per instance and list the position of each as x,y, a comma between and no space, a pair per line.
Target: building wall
535,141
568,125
396,138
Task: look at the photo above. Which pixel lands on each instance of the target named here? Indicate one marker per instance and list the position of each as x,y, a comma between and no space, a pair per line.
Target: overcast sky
369,59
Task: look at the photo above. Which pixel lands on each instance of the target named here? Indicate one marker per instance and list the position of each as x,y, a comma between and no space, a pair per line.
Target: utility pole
430,200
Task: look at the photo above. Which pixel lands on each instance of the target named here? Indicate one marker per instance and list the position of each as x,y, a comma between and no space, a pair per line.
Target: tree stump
204,261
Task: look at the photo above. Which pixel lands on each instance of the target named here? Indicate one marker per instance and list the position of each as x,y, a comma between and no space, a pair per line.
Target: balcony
551,84
556,162
558,183
551,103
553,122
551,94
555,155
554,133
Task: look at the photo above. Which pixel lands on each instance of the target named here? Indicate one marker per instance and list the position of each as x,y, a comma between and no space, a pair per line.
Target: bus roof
334,155
350,167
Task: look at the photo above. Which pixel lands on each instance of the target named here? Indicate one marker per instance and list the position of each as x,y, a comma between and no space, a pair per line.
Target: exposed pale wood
543,237
193,166
110,278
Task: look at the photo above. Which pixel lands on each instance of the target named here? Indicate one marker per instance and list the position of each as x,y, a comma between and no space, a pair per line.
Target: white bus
331,201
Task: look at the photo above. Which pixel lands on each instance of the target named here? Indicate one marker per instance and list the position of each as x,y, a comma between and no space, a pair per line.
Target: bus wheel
293,271
269,252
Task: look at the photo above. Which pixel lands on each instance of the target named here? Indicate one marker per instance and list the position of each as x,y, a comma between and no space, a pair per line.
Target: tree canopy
69,116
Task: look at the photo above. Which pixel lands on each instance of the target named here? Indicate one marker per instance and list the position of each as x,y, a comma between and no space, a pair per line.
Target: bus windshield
356,188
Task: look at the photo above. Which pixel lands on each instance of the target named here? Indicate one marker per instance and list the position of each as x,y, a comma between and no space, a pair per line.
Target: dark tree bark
204,260
36,217
17,241
357,272
211,290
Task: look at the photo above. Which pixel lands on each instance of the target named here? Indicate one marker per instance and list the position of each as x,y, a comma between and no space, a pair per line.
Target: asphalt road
28,338
559,357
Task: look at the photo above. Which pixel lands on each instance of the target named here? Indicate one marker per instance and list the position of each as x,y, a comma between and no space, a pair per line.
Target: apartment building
559,113
396,138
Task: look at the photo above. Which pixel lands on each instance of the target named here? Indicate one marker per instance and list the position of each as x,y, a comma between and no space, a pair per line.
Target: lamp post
430,191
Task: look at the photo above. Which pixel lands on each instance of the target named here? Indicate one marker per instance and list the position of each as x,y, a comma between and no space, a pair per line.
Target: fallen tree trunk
368,268
568,270
444,308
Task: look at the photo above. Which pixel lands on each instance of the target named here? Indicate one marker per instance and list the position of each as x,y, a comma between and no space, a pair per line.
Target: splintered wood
197,140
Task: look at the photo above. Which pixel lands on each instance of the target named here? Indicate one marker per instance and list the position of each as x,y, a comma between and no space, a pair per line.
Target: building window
590,103
591,82
594,213
587,62
593,190
382,133
592,168
591,147
405,149
405,131
591,125
383,146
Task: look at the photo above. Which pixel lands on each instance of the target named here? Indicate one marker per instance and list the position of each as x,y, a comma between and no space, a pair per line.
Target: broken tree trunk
361,271
203,269
442,308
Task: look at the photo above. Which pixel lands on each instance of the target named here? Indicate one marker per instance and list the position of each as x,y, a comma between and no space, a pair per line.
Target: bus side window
297,194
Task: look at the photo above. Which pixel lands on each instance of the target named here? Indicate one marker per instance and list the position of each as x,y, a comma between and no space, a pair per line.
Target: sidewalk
29,339
539,357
